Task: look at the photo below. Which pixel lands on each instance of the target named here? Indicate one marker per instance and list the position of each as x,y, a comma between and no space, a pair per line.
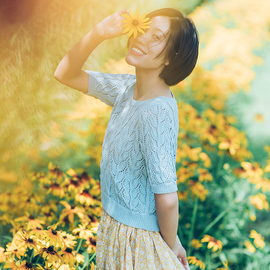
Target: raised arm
69,71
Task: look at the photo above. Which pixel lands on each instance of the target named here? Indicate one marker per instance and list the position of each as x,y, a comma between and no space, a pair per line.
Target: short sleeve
106,87
158,142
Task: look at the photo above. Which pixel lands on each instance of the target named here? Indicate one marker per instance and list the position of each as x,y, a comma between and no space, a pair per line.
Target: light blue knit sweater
138,151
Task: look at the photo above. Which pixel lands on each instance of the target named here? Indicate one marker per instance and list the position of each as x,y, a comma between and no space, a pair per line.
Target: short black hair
182,47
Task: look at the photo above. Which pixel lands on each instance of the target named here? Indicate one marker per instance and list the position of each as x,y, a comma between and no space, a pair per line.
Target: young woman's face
143,50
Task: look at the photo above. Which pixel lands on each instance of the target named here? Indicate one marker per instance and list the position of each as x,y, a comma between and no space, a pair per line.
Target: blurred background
223,160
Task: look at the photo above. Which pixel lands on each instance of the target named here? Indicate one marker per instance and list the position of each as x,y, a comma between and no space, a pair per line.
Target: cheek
130,42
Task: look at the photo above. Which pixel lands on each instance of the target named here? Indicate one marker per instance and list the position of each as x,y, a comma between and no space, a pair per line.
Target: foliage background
43,121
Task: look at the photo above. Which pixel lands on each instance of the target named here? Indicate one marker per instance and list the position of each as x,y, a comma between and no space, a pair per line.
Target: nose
141,38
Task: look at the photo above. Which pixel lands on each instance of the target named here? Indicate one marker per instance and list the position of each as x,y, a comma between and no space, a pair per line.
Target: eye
156,37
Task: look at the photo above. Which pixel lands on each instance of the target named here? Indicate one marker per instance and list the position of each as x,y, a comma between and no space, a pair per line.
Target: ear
167,63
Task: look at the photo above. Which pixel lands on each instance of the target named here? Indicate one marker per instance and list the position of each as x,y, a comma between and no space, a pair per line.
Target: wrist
98,33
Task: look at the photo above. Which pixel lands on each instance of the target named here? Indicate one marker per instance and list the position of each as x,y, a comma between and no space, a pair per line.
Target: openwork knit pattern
138,151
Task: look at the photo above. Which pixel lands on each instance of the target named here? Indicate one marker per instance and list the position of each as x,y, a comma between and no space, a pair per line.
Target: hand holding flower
134,24
111,26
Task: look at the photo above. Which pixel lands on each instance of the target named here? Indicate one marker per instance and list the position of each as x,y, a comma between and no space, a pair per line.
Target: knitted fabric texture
138,150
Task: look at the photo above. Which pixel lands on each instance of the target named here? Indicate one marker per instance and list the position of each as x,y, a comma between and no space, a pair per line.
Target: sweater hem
128,217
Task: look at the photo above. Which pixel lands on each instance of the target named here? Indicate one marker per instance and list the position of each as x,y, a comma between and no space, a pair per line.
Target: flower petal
127,16
141,30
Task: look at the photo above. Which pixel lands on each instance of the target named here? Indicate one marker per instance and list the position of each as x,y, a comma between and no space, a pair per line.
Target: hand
111,26
180,253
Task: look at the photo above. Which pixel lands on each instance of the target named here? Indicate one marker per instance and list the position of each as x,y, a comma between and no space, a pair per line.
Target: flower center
54,232
135,22
29,265
50,249
69,250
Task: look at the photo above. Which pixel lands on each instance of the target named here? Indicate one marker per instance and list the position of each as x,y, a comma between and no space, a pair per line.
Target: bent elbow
58,76
167,200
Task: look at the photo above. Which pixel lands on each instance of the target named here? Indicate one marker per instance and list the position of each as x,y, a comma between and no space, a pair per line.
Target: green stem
217,219
1,233
32,254
79,246
89,261
37,260
208,260
220,162
92,257
194,213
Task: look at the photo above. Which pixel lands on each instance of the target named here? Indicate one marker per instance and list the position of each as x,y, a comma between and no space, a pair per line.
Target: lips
138,50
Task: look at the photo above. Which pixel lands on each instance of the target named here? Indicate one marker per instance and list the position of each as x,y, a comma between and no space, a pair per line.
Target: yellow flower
196,243
69,239
230,144
182,195
56,190
24,265
32,222
92,266
68,256
10,265
13,250
76,182
79,258
262,183
258,239
195,261
252,217
27,240
55,172
192,165
91,243
183,174
212,243
50,255
204,175
249,246
259,201
2,255
267,167
83,232
54,237
198,189
85,198
65,267
252,170
134,24
70,211
226,266
205,158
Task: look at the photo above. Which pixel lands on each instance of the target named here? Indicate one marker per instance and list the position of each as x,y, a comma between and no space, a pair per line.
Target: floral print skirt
121,247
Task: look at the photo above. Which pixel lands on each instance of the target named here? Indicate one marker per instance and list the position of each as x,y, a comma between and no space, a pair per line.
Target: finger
124,11
185,263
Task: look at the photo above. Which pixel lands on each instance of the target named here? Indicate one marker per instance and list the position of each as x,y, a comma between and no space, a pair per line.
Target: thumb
124,11
185,263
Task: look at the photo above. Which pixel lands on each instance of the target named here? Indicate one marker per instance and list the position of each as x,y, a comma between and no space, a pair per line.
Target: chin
130,61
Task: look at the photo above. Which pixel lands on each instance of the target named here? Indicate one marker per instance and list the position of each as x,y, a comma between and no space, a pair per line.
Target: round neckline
140,101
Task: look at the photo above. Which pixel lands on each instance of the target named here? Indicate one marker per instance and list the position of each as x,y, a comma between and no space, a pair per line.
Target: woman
138,227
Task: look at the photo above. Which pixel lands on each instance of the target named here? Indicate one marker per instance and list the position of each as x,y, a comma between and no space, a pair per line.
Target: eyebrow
156,28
